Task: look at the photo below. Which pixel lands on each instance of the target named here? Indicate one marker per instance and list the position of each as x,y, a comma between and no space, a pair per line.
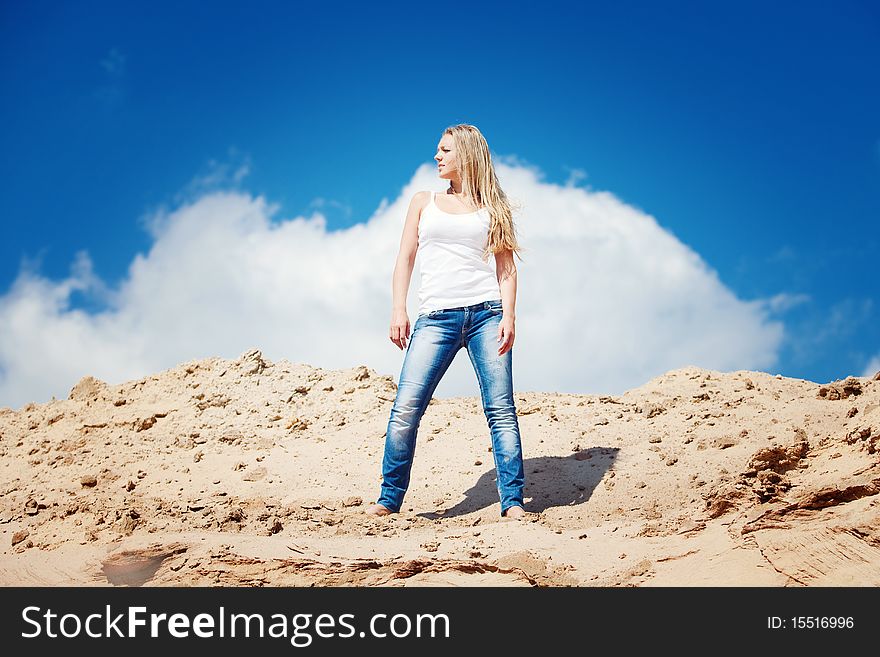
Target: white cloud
607,298
783,302
575,176
872,367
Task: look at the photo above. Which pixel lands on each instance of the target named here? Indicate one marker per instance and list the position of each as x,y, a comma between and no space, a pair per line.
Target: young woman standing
466,241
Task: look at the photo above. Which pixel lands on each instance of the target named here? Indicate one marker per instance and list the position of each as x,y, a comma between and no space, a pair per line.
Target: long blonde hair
480,185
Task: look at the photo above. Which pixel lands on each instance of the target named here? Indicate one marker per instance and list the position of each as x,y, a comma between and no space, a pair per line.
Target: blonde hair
480,185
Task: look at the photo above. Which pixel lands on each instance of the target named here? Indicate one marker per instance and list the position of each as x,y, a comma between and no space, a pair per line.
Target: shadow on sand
550,481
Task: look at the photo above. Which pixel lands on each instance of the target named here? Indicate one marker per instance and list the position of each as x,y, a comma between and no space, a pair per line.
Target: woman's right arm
406,258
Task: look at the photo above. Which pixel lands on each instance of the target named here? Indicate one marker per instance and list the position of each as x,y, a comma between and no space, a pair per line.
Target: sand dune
251,473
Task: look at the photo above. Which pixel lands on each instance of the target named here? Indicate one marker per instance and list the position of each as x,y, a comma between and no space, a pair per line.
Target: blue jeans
435,340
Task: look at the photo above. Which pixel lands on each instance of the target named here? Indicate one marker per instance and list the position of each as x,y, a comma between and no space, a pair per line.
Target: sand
247,472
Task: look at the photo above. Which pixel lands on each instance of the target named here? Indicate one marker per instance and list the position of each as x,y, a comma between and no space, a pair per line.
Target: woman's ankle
378,510
515,511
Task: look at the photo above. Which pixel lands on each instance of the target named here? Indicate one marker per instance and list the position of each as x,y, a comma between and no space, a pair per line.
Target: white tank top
451,267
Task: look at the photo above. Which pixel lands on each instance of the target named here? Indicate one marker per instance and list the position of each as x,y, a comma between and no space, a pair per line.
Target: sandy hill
248,472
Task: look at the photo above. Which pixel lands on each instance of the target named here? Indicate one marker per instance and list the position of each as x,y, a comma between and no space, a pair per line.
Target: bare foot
516,512
377,510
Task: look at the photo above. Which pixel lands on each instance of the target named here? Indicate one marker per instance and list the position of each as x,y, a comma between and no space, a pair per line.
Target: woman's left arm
505,271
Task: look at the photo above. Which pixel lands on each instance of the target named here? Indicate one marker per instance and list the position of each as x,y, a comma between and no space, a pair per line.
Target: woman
465,300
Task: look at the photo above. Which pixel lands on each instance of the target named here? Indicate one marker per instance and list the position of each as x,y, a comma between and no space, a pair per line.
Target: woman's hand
506,334
399,331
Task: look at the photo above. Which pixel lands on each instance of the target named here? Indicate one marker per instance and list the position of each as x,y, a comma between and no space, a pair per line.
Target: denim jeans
435,340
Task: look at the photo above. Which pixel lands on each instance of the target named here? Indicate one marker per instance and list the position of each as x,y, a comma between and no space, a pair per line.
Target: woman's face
447,162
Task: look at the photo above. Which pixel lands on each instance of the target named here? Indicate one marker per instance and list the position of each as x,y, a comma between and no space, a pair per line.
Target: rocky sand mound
251,473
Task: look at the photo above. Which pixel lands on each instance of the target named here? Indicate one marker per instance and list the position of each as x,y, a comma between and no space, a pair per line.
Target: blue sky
748,130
